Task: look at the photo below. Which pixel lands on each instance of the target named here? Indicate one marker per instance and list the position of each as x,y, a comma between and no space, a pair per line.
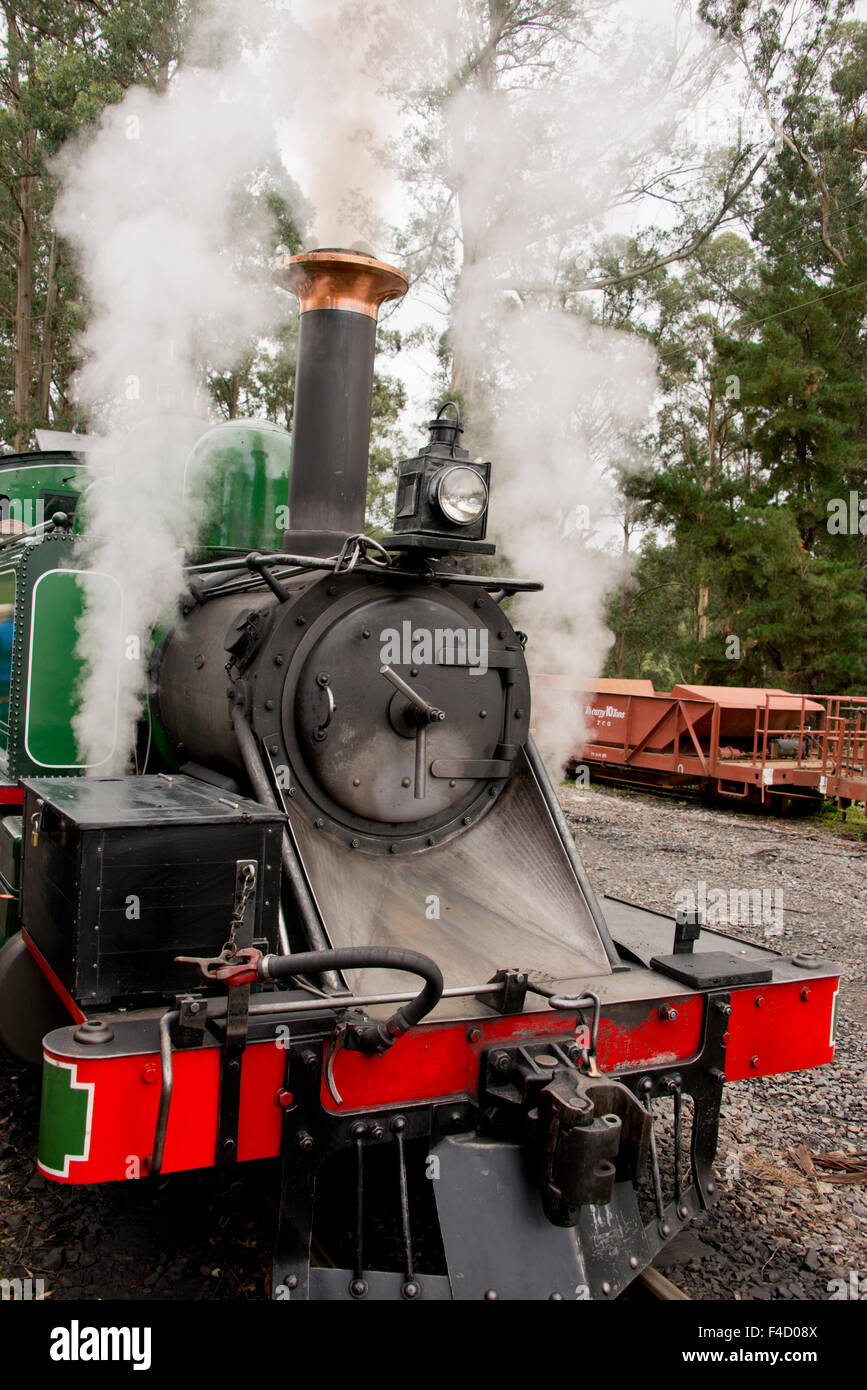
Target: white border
110,754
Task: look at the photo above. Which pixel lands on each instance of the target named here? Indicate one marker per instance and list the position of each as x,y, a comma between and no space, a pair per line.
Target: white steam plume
150,204
534,164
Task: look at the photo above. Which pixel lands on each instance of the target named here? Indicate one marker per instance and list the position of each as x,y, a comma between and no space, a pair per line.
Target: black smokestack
340,294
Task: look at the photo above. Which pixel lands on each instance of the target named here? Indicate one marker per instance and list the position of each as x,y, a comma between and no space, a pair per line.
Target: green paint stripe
64,1120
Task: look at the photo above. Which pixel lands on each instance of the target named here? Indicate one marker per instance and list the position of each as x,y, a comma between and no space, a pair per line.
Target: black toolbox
120,875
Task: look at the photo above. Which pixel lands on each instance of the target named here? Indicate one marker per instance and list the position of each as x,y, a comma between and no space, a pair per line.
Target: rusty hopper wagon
759,747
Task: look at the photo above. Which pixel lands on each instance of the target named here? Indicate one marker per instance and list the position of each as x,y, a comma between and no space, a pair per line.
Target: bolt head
474,1034
491,1295
358,1288
411,1289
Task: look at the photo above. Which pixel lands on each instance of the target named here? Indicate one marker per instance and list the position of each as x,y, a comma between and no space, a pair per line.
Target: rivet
683,1211
606,1287
150,1073
319,823
665,1228
332,589
555,1298
483,714
356,781
228,1145
711,1187
413,670
519,714
278,660
754,1060
292,1281
473,1034
358,1288
301,622
410,1289
466,820
805,994
759,1000
393,849
269,704
633,1261
404,781
353,844
366,632
491,1295
398,1124
452,782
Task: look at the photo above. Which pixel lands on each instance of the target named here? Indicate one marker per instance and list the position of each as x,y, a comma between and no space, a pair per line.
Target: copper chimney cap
327,279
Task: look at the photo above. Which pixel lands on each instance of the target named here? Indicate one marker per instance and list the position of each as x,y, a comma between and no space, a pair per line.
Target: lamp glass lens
462,494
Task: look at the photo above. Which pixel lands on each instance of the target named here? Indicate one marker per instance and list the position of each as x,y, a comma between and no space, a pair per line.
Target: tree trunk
49,335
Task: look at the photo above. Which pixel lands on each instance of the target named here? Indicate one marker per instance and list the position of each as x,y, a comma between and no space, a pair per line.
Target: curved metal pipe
168,1019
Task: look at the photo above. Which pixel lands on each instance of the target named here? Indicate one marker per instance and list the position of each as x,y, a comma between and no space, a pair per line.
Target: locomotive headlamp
442,496
462,494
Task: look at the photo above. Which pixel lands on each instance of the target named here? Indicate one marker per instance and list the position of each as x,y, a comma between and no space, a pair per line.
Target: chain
248,875
359,547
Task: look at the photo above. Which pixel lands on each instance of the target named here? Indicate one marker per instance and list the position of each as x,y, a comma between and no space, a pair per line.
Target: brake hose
372,1036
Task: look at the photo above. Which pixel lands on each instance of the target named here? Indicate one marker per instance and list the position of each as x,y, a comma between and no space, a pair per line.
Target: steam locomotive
337,917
